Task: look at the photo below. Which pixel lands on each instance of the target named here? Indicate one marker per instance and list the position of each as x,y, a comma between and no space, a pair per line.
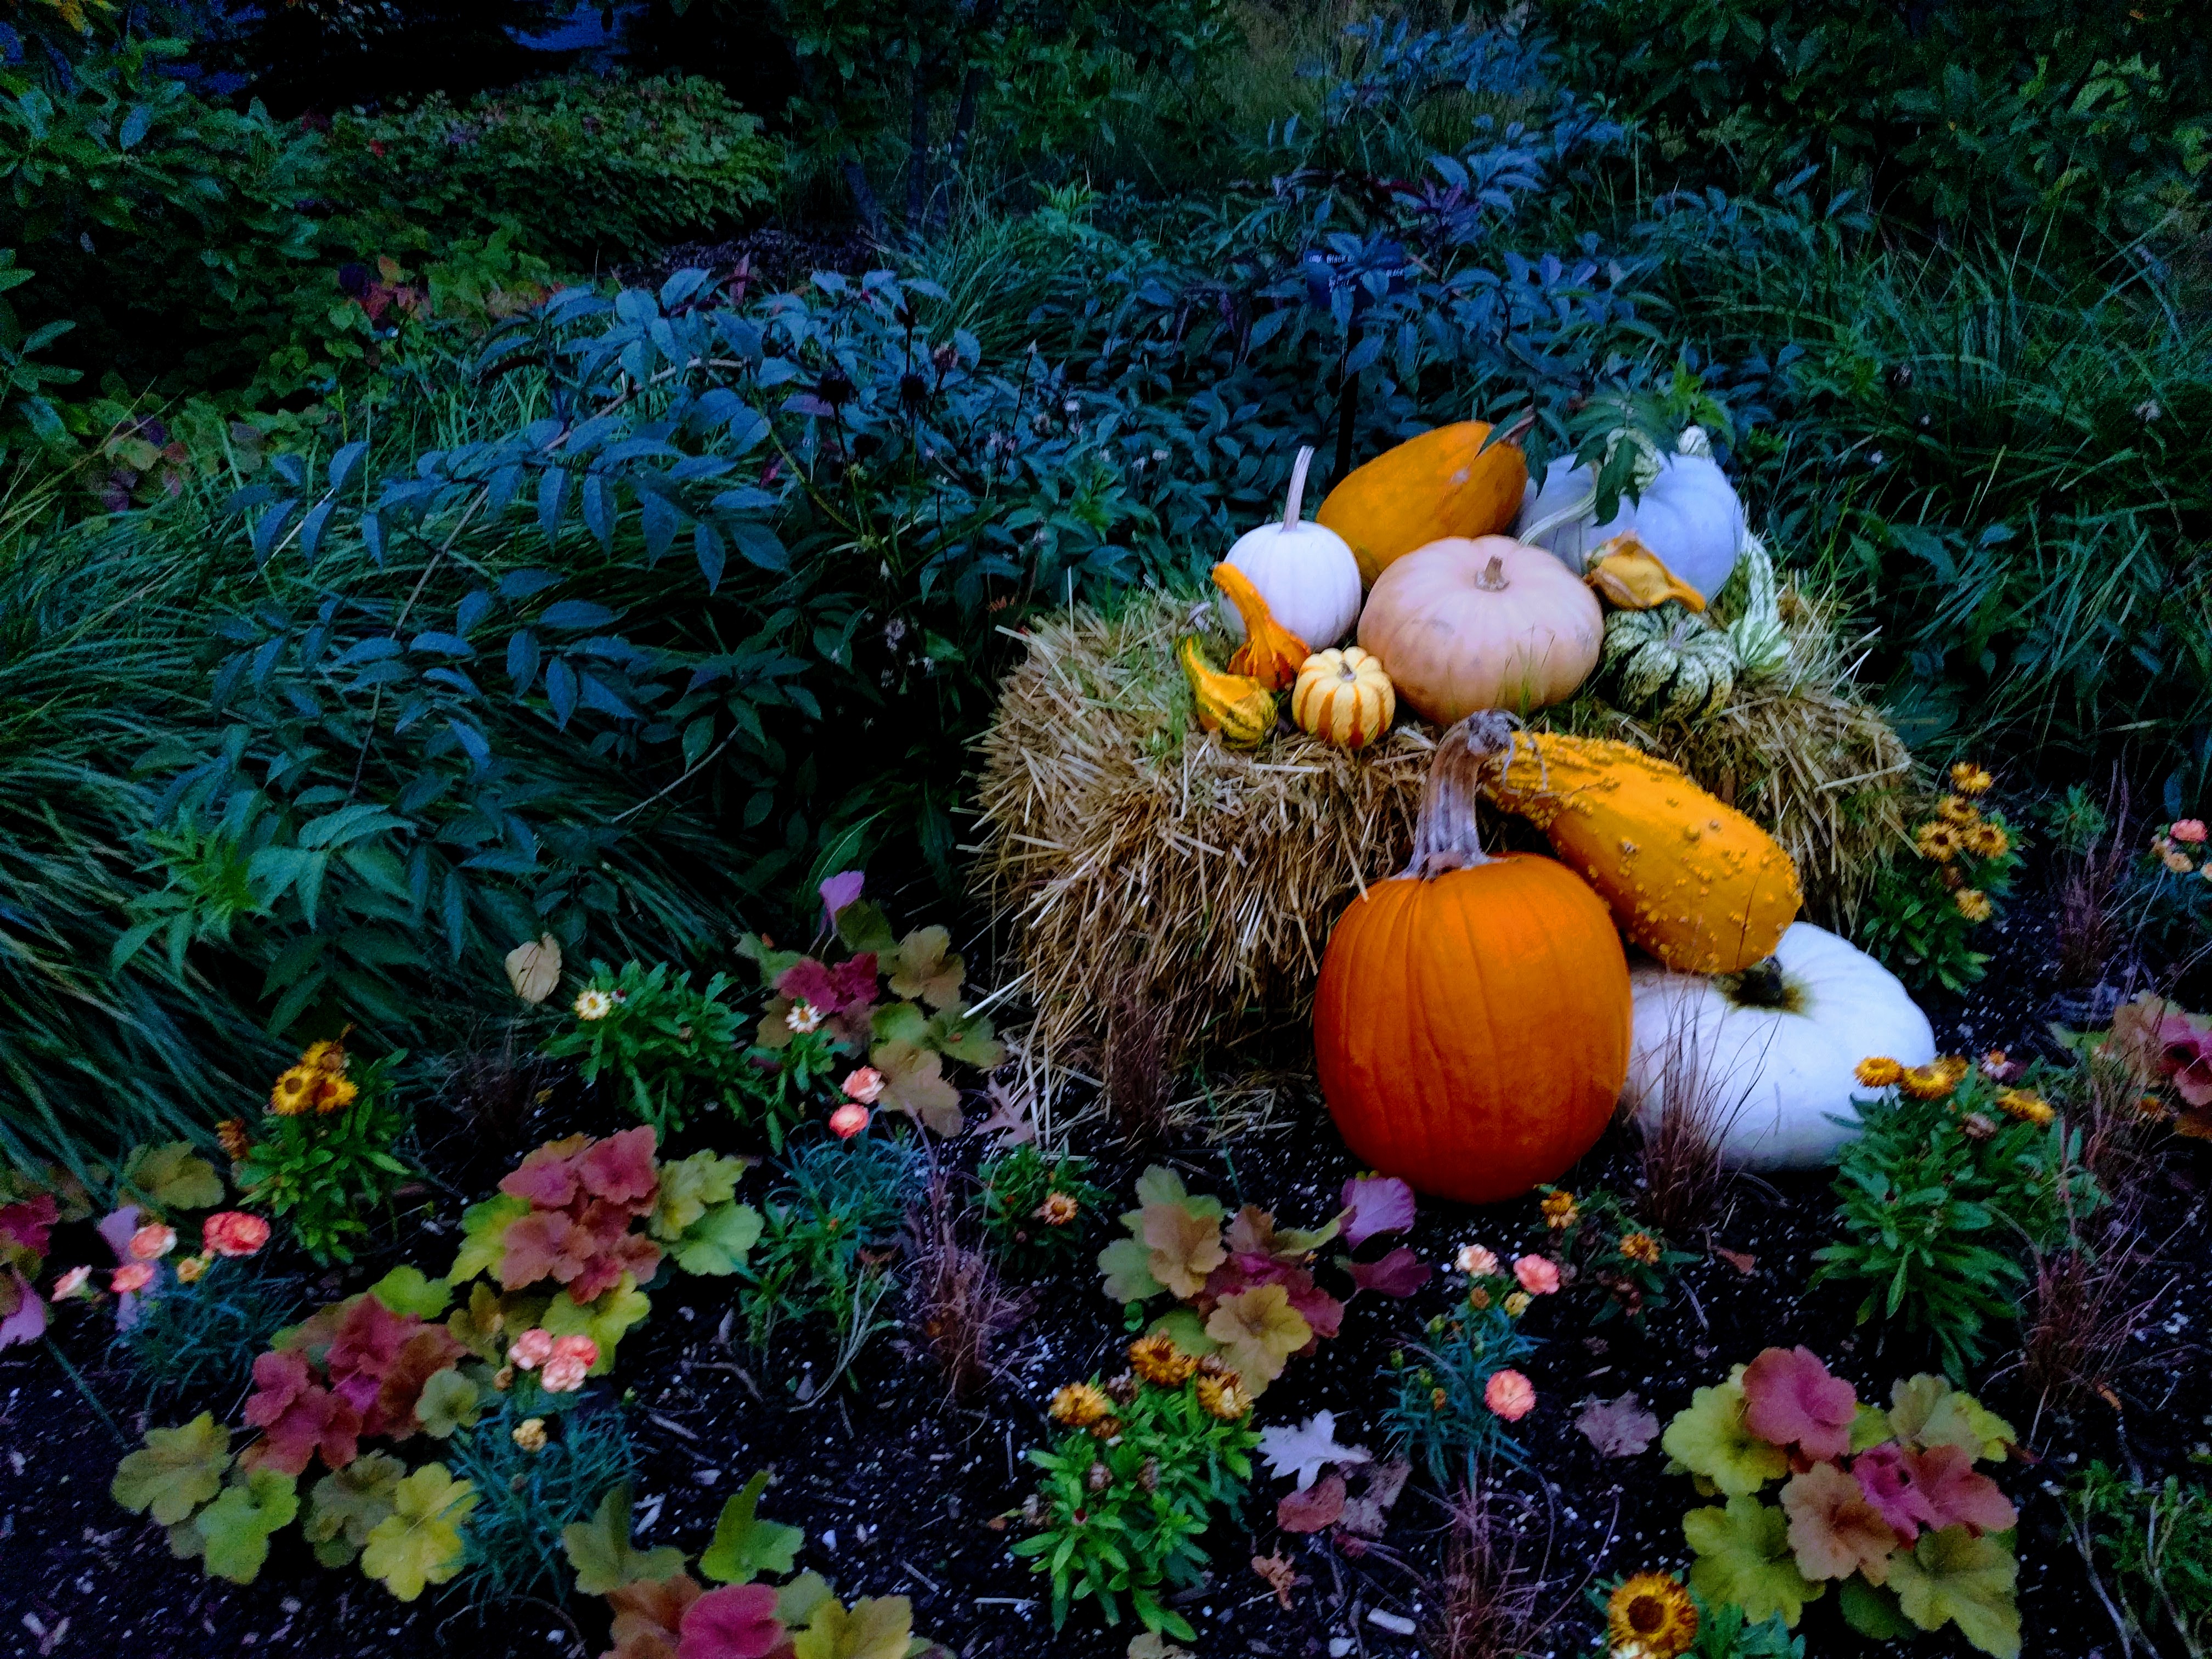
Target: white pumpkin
1688,515
1306,572
1778,1076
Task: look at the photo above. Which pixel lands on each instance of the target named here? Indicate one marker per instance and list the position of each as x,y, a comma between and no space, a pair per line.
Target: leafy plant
664,1044
1924,913
2156,1541
191,1334
531,1491
324,1157
1951,1181
1133,1483
1601,1243
1886,1504
1036,1209
1456,1394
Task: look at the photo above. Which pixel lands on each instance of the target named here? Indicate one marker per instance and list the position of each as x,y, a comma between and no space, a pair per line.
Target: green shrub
2157,1543
822,1258
1035,1209
525,1497
211,1330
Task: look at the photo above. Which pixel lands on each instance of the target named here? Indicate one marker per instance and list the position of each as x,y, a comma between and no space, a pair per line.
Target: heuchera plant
1888,1505
1248,1289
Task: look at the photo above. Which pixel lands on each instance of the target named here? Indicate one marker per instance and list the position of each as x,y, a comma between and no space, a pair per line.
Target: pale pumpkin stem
1297,488
1492,579
1446,834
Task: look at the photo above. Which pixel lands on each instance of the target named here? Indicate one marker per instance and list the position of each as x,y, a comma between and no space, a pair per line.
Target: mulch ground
896,1490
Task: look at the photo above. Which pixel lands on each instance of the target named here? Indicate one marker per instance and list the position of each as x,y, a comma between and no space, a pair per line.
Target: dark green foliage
1121,1516
1438,1421
823,1257
665,1048
1939,1206
1012,1198
329,1176
1918,925
2156,1542
211,1331
524,1498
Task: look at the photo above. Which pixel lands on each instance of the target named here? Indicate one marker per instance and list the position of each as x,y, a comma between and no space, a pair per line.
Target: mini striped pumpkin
1344,697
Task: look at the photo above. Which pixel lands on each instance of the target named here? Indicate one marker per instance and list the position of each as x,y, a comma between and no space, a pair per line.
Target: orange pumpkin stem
1446,834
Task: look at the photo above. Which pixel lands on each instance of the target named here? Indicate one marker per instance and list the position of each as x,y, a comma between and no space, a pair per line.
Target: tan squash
1444,483
1271,653
1237,707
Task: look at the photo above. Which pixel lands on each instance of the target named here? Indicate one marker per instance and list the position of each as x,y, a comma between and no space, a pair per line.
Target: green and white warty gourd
1666,663
1687,513
1762,644
1773,1050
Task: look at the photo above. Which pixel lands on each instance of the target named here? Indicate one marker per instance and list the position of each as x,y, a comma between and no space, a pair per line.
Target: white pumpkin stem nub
1762,986
1446,835
1492,579
1297,488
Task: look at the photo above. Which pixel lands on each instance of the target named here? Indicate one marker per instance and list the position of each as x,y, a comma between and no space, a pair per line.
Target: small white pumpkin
1688,515
1306,572
1777,1075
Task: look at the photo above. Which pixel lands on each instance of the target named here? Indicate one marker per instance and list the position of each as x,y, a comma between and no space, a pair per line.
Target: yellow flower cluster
1559,1211
2025,1105
1159,1361
1651,1616
317,1084
1879,1071
1641,1246
1935,1080
1959,828
1969,779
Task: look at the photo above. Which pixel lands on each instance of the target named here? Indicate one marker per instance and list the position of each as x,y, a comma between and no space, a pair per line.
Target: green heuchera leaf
1744,1557
235,1529
1127,1263
877,1627
405,1290
967,1038
689,1187
179,1470
1953,1575
745,1546
1183,1328
601,1552
719,1241
795,1603
604,1320
862,927
1928,1410
477,1327
900,1022
448,1401
1710,1437
926,966
345,1505
172,1177
483,1235
1873,1611
1870,1427
1161,1185
420,1543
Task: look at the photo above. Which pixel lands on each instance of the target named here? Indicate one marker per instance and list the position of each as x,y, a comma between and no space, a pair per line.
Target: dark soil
897,1491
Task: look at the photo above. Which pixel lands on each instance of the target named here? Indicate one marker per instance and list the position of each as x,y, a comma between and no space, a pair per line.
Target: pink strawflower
866,1086
532,1349
2189,829
564,1374
71,1284
1538,1274
130,1276
848,1121
1510,1395
1475,1261
233,1232
153,1242
576,1347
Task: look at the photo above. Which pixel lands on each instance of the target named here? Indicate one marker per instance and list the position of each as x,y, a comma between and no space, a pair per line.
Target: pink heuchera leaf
1320,1310
620,1168
1958,1496
853,982
1833,1528
547,1177
839,890
1378,1204
299,1417
368,1341
538,1246
1312,1508
1398,1273
738,1621
1790,1399
1887,1479
27,1225
807,981
424,1354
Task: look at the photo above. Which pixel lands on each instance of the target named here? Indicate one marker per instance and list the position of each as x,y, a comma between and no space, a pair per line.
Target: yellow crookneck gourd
1631,576
1690,878
1239,708
1271,653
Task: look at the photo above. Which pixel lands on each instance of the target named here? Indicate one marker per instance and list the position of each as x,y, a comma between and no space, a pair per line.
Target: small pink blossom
848,1121
1538,1274
564,1374
576,1347
864,1085
1475,1261
1510,1395
71,1284
153,1242
2188,829
129,1277
532,1349
233,1232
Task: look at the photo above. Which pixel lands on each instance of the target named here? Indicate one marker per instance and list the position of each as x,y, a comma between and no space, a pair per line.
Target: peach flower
532,1349
131,1276
564,1375
1538,1274
1510,1395
233,1232
848,1121
152,1242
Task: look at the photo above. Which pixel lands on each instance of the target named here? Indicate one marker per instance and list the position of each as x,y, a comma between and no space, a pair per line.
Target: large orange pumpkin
1471,1025
1442,484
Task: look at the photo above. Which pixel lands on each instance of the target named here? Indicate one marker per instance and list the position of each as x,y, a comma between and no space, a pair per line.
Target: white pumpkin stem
1297,488
1446,834
1492,579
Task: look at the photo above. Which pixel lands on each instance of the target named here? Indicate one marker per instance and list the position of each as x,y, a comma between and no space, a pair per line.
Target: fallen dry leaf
1746,1265
1312,1508
1281,1576
1618,1428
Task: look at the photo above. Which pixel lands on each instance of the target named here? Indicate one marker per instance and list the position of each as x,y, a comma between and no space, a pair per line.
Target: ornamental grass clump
1886,1505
